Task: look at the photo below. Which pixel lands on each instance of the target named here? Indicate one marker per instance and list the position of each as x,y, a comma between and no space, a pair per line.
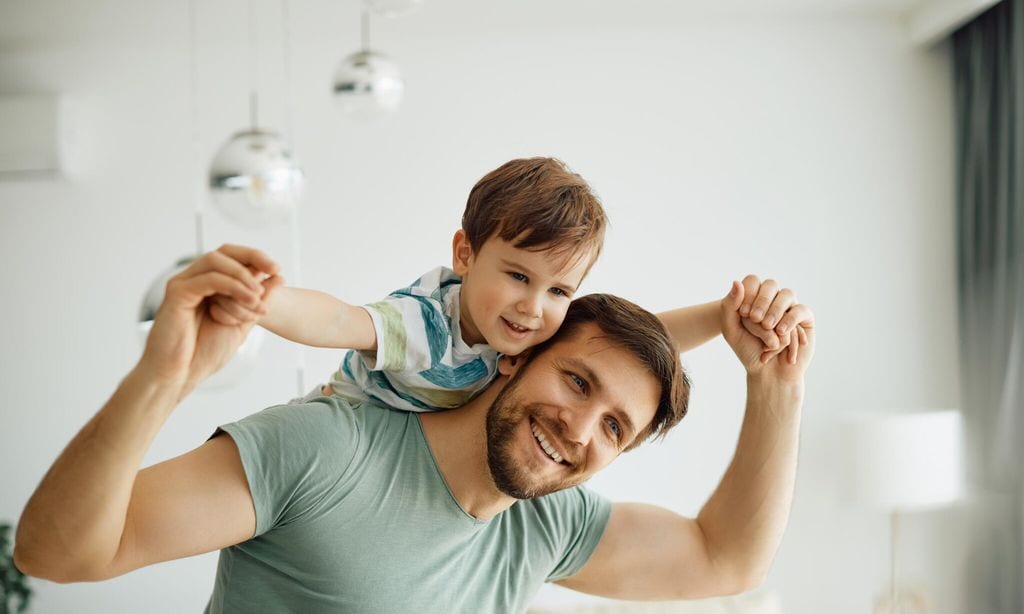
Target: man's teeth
555,456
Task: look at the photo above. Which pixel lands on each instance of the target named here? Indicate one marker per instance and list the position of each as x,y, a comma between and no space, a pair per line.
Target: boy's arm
318,319
692,327
764,304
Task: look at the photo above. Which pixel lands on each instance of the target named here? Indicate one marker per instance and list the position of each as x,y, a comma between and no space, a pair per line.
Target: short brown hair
641,333
536,204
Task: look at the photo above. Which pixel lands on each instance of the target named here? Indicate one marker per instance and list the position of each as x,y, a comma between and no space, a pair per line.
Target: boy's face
512,298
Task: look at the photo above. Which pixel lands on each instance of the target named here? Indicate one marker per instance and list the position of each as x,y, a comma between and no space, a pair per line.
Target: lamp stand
899,600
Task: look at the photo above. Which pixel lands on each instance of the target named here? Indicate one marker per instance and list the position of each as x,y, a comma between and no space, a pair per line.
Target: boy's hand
766,311
797,323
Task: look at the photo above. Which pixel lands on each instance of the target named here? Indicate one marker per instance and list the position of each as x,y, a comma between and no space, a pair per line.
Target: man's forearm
74,522
745,518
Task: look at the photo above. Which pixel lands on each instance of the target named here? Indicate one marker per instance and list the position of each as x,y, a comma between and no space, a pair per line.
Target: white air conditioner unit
29,134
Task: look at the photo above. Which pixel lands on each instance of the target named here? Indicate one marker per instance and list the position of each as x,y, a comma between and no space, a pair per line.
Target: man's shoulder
328,419
570,506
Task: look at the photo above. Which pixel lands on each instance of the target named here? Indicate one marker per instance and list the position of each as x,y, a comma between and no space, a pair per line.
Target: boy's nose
529,306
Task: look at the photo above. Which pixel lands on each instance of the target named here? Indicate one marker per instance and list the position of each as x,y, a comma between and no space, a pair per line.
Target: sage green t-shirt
352,515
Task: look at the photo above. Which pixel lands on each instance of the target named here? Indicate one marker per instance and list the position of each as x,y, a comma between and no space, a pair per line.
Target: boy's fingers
236,309
221,316
797,314
768,337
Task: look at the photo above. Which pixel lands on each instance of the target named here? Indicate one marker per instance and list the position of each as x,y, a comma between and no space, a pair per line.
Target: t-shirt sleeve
292,454
413,332
582,516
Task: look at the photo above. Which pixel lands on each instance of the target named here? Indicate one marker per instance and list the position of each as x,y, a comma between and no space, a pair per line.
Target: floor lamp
903,462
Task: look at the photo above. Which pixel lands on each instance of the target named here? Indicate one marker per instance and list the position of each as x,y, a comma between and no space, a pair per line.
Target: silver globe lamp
245,356
368,84
254,179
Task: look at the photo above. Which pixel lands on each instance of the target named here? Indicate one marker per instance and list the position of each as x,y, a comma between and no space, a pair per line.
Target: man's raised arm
647,552
95,515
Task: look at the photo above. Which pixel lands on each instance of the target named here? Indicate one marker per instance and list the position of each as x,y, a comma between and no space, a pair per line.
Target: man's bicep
648,552
196,503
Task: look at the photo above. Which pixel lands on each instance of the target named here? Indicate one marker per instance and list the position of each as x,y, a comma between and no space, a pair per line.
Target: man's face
567,414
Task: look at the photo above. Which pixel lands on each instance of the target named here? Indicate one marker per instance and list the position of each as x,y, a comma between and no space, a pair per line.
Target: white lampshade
904,461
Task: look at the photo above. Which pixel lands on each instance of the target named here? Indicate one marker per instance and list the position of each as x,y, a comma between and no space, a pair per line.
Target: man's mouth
545,445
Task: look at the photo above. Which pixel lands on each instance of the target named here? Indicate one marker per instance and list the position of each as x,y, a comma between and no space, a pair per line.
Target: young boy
530,232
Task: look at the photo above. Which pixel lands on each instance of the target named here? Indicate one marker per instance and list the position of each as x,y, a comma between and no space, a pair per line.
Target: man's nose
579,423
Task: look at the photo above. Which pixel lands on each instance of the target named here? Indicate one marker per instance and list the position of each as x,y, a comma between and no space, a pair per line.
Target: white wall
810,146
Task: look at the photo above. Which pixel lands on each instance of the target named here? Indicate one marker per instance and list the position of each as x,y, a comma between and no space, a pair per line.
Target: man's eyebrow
529,272
595,382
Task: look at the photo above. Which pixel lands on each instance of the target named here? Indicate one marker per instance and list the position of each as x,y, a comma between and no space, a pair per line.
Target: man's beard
505,414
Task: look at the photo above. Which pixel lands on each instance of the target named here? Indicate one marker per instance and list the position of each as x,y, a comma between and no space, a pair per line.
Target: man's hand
192,336
791,321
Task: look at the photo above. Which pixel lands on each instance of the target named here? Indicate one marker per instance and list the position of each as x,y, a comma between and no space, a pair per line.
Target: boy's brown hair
536,204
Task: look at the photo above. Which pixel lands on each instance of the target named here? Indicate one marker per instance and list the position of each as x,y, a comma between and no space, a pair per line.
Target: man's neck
458,440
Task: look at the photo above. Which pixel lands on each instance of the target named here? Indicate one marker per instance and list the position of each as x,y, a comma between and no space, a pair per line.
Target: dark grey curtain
989,80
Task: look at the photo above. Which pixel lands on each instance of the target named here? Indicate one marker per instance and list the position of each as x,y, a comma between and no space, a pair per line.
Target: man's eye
518,276
578,381
614,427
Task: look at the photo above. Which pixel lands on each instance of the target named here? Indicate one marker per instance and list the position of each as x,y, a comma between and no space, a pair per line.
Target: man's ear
509,365
462,253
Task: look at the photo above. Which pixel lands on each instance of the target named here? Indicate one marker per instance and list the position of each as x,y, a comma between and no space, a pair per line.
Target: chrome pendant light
368,84
254,178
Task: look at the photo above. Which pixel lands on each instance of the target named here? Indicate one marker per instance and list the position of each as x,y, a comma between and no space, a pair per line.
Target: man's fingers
251,257
802,335
221,262
765,295
194,289
782,302
751,284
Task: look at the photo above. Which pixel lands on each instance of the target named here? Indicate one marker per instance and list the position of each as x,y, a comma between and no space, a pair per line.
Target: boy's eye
559,292
614,427
518,276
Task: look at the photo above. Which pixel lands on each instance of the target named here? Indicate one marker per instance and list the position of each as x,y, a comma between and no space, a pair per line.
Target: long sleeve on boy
421,362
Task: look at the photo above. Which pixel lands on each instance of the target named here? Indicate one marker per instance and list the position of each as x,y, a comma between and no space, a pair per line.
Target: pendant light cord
197,170
293,215
253,67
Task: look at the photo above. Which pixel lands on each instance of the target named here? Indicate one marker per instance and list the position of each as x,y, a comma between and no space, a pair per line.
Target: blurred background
812,141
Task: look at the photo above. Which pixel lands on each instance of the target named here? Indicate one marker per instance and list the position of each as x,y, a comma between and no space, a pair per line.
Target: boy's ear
462,253
509,365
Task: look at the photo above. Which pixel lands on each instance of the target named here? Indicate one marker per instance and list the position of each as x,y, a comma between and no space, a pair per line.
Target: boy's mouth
518,331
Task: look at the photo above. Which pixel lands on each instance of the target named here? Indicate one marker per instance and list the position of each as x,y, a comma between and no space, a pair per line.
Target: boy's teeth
547,446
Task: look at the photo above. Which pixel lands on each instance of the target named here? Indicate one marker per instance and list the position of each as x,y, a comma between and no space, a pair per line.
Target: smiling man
328,507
